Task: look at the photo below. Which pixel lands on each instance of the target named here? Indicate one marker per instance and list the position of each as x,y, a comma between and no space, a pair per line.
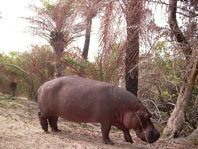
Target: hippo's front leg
127,135
43,122
105,129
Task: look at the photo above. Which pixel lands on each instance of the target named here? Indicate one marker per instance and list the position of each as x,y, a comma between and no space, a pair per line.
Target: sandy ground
20,129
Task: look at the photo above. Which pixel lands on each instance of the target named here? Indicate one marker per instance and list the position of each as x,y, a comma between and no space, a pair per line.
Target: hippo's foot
46,131
130,141
56,130
108,141
127,137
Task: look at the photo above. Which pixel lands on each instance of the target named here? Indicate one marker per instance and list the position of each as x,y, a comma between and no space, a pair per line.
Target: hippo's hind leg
105,129
127,135
53,123
43,122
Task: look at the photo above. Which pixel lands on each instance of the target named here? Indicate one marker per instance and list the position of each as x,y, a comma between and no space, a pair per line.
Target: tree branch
176,30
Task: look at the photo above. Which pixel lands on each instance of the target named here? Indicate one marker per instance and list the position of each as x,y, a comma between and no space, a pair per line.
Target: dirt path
20,129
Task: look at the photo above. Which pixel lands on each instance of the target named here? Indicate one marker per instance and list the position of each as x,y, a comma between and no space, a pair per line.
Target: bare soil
20,129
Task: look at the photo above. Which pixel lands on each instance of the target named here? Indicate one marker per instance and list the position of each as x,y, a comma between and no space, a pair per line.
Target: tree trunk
58,70
58,65
87,37
133,15
172,21
13,87
58,43
177,117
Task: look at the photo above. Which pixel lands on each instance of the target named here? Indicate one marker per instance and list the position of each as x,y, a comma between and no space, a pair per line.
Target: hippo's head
139,120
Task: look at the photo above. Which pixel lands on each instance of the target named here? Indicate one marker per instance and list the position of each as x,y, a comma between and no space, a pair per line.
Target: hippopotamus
85,100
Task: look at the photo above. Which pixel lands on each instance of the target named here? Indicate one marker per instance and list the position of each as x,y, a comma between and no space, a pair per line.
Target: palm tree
56,23
113,14
89,10
133,12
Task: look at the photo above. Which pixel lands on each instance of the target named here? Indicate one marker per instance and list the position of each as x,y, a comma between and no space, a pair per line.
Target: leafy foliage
107,67
28,70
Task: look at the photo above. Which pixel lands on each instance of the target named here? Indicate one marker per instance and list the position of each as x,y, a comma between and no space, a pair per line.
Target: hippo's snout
149,134
153,136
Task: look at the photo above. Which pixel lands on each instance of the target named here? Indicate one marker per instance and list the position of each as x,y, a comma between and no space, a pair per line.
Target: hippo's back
73,81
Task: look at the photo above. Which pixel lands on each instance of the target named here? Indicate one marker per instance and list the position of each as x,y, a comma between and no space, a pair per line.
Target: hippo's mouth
150,137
